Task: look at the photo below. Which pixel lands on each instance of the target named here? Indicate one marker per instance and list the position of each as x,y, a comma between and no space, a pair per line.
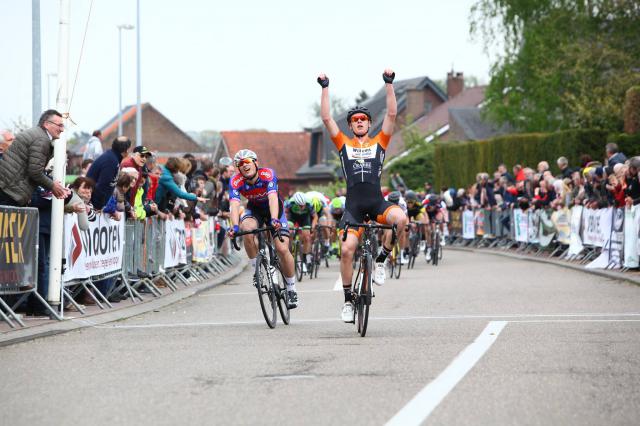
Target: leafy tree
566,63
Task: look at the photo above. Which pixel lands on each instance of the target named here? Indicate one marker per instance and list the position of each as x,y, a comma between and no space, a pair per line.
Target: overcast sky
233,65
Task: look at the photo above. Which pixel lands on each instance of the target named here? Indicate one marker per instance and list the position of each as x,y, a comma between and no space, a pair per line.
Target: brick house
285,152
416,98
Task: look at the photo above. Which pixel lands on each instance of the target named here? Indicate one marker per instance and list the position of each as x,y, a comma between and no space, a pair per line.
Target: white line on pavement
338,284
253,293
423,404
513,318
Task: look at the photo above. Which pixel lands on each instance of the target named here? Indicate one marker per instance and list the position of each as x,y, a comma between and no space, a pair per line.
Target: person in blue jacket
168,186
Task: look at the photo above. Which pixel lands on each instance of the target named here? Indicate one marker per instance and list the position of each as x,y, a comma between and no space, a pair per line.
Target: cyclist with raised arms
264,206
300,211
362,157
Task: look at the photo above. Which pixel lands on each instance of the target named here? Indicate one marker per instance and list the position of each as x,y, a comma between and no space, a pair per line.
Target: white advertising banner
561,222
175,251
95,251
631,229
616,240
521,225
575,241
596,225
534,226
468,232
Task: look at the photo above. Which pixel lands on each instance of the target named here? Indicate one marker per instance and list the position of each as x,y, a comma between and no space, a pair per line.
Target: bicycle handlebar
253,231
370,226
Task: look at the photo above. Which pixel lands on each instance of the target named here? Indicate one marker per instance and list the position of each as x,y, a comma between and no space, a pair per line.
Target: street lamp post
120,28
49,75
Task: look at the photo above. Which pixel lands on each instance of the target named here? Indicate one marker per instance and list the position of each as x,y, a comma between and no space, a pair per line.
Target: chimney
455,84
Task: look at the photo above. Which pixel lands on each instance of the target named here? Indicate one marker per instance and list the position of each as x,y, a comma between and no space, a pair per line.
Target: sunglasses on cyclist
359,117
244,161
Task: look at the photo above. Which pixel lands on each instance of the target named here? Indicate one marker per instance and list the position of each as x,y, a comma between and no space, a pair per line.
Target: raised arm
392,105
325,106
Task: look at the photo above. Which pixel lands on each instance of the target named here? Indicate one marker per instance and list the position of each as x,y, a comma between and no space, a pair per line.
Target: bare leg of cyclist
346,268
306,245
250,246
288,269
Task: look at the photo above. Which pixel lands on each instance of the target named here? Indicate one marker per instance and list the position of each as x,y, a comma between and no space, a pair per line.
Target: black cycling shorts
365,199
302,220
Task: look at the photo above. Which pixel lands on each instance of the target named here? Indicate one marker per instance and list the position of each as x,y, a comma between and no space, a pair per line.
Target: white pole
119,80
59,158
36,72
138,106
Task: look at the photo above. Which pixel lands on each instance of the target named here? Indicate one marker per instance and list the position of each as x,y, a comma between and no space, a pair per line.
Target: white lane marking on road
253,293
321,320
423,404
338,284
290,377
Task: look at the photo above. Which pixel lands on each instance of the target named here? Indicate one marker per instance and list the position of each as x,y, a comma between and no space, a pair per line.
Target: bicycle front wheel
398,261
298,259
363,298
316,257
266,294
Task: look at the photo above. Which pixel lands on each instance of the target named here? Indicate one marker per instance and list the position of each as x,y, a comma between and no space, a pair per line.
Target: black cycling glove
324,83
388,78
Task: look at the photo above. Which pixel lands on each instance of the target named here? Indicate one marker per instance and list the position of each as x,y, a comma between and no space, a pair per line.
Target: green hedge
416,168
457,163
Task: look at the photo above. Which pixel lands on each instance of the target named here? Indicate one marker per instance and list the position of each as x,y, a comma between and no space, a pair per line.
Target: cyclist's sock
306,257
347,294
383,254
252,262
291,283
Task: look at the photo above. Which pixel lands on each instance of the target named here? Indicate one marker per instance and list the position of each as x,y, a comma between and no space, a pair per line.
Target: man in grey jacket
22,165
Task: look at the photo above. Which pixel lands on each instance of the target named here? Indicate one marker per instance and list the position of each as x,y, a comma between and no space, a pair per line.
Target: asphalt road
480,340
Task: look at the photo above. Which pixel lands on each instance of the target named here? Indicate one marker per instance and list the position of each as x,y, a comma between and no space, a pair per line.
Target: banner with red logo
175,251
95,251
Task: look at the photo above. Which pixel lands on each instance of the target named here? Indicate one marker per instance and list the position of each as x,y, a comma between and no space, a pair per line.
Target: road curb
76,323
619,276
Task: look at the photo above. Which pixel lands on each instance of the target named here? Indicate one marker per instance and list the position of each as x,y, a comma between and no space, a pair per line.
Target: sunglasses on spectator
244,161
359,117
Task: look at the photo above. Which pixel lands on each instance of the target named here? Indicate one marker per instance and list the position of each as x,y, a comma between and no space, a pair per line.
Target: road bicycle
415,236
268,277
296,251
394,263
319,253
361,291
436,247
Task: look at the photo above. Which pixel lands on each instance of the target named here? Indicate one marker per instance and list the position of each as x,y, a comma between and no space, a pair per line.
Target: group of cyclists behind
362,157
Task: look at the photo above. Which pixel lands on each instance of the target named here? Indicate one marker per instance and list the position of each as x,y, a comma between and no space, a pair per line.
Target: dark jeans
43,265
105,286
6,200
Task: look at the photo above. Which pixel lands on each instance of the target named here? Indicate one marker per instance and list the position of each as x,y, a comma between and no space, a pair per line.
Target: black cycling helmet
410,196
358,110
394,197
433,199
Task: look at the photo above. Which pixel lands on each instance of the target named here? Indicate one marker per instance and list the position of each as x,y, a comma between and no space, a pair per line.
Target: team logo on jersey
237,181
271,185
364,153
266,174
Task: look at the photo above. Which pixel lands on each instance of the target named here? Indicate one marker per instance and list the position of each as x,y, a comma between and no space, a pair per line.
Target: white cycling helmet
245,153
299,199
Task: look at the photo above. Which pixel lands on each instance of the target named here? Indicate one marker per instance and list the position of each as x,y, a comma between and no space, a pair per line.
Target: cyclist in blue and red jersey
362,157
259,185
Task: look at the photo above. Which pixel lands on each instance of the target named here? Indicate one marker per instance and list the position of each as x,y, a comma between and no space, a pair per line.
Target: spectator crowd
124,182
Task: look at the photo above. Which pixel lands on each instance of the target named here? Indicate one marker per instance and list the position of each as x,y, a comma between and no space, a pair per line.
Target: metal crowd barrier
594,237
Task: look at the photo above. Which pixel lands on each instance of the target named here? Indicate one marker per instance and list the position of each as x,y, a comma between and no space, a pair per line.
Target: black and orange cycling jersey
362,161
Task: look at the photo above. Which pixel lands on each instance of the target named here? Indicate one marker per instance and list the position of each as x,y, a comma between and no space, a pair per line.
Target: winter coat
22,165
104,171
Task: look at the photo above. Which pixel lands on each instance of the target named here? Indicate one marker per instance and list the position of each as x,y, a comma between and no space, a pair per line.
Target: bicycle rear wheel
266,294
298,259
283,300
